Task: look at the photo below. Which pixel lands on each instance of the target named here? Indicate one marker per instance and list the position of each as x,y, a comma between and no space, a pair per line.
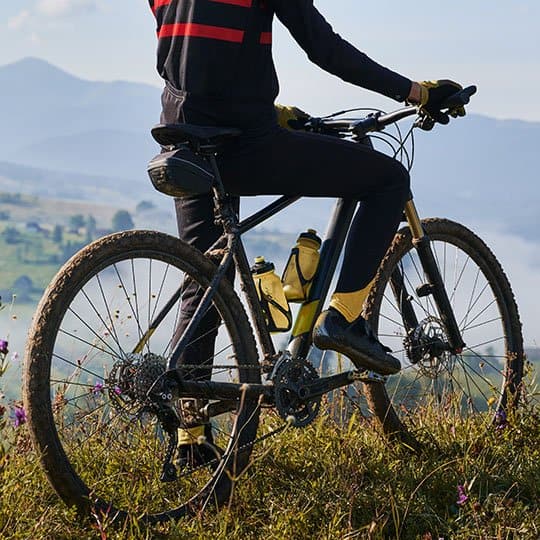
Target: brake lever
313,124
425,122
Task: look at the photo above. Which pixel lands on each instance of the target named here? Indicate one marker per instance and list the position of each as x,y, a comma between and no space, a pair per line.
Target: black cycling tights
282,162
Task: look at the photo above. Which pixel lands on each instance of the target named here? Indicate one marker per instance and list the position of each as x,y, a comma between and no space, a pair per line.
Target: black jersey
220,51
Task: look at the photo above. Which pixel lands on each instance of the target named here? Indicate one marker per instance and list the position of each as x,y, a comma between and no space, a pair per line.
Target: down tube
336,235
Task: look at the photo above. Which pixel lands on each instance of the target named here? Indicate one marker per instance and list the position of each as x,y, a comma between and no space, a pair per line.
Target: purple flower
117,390
20,417
3,346
501,420
462,496
98,388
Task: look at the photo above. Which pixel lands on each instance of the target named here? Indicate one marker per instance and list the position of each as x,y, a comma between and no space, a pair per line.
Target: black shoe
355,340
191,456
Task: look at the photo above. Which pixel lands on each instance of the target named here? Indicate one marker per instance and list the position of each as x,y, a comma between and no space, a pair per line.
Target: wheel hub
135,376
427,347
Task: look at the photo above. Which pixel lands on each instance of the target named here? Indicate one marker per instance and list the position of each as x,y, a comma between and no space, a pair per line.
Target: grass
327,481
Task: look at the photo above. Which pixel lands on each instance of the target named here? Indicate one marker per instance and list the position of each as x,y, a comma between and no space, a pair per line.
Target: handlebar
460,98
378,121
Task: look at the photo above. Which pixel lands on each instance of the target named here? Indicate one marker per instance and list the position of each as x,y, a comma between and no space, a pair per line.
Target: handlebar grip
459,98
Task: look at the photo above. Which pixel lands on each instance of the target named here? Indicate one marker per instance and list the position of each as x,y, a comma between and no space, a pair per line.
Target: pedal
367,376
168,473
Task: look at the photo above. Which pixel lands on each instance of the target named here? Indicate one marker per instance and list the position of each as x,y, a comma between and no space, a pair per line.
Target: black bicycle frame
230,247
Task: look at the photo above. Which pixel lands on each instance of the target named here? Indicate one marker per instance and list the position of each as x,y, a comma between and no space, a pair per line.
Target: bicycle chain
252,443
263,369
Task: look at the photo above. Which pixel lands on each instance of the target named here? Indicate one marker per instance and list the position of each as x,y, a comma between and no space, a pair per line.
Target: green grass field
327,482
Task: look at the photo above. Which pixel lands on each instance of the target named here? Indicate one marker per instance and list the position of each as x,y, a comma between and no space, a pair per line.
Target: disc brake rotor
427,348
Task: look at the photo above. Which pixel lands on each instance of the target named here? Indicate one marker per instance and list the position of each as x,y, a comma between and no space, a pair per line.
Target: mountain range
67,137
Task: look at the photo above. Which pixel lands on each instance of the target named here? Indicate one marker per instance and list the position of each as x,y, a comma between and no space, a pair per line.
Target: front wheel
100,340
486,376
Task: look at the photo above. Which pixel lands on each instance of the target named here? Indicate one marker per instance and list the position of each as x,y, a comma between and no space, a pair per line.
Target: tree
12,235
144,205
122,221
91,227
58,234
76,222
23,287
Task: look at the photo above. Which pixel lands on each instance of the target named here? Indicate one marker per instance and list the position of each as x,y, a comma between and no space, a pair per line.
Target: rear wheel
90,365
486,376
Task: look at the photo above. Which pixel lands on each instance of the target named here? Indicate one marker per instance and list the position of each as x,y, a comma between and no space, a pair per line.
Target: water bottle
270,291
301,266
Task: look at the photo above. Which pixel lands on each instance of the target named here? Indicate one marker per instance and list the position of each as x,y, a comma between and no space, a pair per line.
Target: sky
492,43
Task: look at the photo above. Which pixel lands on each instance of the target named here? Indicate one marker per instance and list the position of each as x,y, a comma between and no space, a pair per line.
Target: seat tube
331,248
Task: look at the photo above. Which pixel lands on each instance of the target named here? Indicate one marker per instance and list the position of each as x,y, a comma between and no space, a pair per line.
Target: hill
40,101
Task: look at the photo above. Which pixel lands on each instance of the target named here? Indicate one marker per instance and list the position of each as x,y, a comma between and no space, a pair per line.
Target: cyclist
216,59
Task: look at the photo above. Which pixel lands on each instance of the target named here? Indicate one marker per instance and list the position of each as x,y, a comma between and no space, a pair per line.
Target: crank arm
320,387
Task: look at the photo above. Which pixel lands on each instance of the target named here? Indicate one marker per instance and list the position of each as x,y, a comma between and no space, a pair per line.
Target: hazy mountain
40,102
101,152
475,169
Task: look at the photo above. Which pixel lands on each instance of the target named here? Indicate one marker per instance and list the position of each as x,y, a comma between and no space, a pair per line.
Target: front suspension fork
434,285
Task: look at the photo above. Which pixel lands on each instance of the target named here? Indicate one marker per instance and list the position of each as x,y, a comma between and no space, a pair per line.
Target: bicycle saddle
173,134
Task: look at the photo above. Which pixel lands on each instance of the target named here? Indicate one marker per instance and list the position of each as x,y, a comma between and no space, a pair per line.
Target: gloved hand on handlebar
432,96
291,117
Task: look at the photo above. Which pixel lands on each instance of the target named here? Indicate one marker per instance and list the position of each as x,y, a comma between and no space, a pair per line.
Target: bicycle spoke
123,287
111,318
496,319
84,323
469,307
483,311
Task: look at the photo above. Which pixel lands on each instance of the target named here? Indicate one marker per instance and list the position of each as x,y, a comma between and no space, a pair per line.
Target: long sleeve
335,55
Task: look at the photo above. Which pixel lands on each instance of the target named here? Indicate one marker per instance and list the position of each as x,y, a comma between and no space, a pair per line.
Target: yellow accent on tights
190,435
350,304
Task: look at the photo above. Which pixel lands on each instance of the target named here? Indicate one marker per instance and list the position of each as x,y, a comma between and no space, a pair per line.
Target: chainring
289,382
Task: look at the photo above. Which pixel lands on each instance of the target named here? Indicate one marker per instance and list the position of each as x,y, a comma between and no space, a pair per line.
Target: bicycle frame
232,251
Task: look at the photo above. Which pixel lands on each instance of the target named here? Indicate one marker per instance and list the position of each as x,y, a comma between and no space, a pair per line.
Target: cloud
17,21
62,8
51,10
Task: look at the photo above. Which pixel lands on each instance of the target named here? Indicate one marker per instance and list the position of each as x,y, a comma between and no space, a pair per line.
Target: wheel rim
115,446
431,378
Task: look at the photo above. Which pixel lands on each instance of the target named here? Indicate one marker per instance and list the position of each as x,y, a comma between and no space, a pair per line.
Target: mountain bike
106,392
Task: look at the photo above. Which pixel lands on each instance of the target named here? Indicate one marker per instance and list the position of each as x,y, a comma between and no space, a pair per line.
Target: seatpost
223,210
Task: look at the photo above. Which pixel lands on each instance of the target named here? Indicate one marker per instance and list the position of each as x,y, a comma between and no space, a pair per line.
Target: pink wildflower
462,496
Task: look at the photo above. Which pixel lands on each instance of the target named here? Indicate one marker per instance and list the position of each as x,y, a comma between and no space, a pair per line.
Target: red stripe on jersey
160,3
241,3
201,31
266,38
